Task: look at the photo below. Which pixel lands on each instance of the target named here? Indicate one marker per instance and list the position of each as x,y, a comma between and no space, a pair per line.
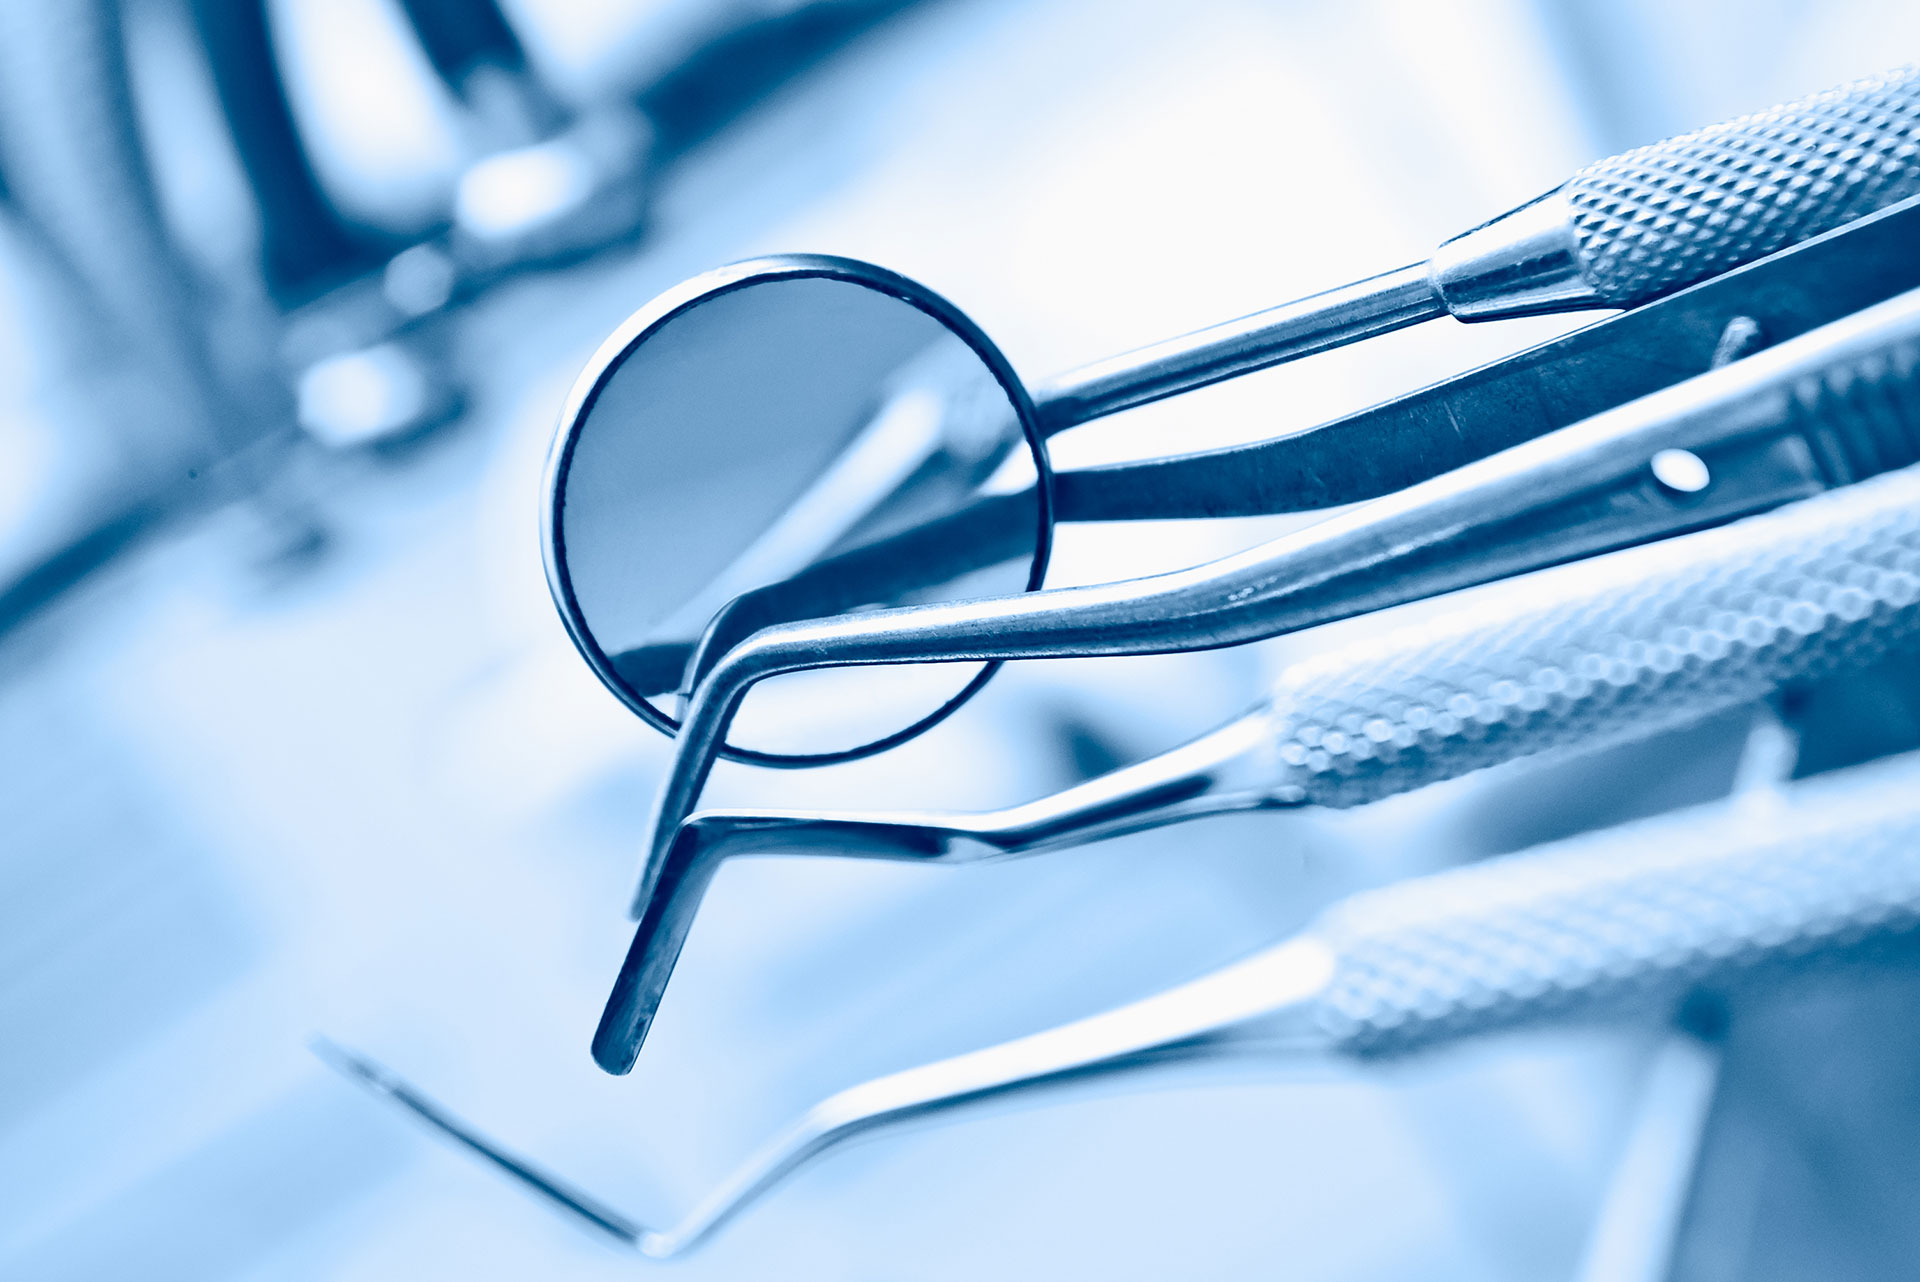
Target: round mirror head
786,439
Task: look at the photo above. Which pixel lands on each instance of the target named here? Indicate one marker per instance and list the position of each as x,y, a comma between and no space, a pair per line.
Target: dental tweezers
1825,409
1640,641
1624,922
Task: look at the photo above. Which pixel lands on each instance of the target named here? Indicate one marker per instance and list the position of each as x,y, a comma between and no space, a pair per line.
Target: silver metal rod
1378,305
1620,232
1633,1236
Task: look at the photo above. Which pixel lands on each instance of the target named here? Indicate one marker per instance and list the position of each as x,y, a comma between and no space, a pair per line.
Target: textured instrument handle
1667,215
1611,650
1633,915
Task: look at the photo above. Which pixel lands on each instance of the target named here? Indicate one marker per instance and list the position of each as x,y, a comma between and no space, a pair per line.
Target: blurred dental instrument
1637,1228
201,352
1621,923
169,417
1634,643
1822,410
1638,1224
546,180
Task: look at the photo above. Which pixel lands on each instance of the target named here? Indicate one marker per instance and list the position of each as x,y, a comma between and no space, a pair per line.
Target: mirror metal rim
641,325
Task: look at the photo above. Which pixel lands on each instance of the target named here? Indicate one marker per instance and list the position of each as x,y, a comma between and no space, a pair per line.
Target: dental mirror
789,438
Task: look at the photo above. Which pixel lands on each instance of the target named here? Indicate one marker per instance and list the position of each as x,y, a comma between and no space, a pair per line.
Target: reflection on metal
1639,642
1820,410
1390,446
1469,416
831,376
190,308
1360,456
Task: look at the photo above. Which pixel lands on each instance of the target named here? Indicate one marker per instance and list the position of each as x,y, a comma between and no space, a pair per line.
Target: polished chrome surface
1385,447
1531,505
371,788
1805,167
1348,314
1520,264
1554,665
1230,769
1621,922
1400,442
1528,261
1388,446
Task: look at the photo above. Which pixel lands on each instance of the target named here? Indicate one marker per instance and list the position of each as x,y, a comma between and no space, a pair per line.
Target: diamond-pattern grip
1610,650
1659,217
1627,917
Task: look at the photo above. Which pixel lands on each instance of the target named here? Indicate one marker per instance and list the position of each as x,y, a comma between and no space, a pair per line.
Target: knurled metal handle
1659,217
1629,917
1613,650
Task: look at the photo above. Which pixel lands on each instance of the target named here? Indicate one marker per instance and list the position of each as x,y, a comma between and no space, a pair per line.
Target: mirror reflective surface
788,439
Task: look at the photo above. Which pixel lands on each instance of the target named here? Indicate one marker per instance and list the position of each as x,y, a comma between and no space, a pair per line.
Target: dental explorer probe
1617,233
1636,642
1623,922
1826,408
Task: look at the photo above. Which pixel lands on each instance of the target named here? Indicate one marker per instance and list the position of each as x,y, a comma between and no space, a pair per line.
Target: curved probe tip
666,911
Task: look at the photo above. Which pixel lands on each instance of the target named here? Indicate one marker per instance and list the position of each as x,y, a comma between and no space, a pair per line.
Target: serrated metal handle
1630,916
1659,217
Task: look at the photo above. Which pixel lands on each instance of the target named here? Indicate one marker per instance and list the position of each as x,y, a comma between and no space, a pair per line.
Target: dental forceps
1824,409
1623,922
1640,641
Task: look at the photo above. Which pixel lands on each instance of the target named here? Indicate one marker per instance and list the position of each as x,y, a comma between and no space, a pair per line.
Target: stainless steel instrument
1824,409
1636,642
1620,923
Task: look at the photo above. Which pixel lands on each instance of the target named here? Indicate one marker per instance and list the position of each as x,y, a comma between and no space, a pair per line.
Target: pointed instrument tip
350,1063
524,1172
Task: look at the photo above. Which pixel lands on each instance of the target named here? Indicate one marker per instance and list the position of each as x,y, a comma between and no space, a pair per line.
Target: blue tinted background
367,788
